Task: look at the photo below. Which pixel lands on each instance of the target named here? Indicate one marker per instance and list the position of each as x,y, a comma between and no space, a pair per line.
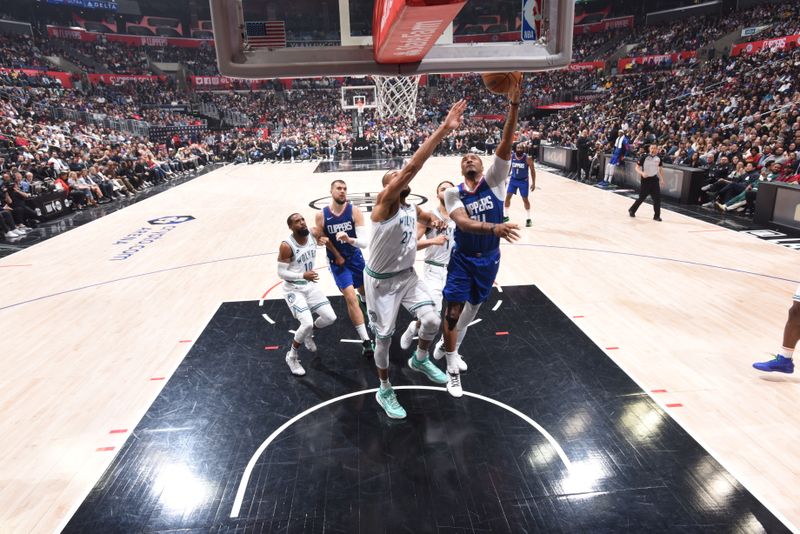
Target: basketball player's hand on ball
453,119
508,231
311,276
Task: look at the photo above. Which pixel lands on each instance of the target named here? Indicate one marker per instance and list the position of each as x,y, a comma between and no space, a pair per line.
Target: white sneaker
438,354
408,336
310,344
294,364
12,233
454,384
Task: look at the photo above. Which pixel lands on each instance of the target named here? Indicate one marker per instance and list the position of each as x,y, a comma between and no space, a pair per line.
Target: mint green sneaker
427,368
388,401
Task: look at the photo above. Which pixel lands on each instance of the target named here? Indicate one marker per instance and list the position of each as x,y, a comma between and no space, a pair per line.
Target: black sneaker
631,213
657,219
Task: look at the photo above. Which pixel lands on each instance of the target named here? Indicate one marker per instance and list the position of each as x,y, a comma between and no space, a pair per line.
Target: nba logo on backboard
530,16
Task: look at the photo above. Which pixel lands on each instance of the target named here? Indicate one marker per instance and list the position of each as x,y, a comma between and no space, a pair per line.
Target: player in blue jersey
521,169
343,225
477,209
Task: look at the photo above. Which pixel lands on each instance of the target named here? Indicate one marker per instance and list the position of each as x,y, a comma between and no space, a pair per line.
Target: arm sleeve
362,237
452,200
285,274
498,172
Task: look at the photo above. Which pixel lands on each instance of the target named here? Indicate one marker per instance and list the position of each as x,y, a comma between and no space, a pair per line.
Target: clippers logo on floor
172,219
364,201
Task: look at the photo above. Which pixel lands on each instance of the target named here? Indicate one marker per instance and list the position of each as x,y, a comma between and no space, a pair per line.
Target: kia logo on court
365,201
171,219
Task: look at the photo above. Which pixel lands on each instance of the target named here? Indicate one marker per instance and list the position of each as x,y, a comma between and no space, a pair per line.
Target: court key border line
248,470
533,245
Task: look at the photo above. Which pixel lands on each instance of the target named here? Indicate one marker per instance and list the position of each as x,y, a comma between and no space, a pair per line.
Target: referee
651,170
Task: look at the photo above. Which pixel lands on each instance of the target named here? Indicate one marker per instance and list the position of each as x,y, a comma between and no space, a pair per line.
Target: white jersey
303,257
439,255
393,247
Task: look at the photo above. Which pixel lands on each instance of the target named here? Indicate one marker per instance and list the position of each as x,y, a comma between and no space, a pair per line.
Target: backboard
306,38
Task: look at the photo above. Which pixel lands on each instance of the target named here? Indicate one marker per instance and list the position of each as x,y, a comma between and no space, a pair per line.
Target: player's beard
472,175
303,232
340,202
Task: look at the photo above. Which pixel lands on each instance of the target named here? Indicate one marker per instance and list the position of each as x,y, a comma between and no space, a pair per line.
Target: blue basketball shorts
520,186
469,278
349,274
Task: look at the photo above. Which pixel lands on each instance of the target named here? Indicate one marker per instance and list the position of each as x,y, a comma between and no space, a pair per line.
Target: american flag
266,34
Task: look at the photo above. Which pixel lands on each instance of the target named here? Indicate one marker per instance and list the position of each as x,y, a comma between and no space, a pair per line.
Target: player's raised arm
391,193
503,150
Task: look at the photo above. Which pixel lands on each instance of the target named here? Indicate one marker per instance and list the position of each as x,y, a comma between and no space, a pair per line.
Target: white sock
385,384
293,351
422,354
786,352
361,330
452,362
528,211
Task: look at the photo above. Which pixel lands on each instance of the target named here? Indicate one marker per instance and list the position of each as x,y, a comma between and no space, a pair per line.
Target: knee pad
429,324
382,352
326,317
467,315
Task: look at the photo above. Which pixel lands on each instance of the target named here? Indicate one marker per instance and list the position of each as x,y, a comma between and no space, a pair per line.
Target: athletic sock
529,214
421,355
385,384
786,352
452,362
361,330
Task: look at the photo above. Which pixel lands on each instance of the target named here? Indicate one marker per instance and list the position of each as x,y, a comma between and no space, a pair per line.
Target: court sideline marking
237,503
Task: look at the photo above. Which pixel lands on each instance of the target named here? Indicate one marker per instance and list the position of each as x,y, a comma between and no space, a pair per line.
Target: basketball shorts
797,294
469,278
304,297
518,187
386,295
349,274
435,277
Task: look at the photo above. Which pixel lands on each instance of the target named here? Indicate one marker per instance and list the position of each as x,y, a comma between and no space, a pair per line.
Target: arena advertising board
767,44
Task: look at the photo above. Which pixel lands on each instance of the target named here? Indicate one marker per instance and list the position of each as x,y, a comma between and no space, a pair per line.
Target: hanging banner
604,25
769,44
79,34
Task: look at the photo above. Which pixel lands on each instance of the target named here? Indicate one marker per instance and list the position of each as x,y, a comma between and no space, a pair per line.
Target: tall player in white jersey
296,258
391,280
437,244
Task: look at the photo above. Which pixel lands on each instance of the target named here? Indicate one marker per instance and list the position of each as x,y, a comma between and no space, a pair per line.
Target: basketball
500,83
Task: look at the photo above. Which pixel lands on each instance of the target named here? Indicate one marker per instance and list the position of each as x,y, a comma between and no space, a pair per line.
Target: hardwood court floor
682,306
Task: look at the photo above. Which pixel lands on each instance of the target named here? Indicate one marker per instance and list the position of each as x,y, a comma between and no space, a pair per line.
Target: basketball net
396,96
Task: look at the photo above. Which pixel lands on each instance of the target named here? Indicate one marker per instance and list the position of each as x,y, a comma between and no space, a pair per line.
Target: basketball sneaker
294,364
778,364
388,401
310,343
454,384
438,354
368,349
408,336
427,368
506,219
528,223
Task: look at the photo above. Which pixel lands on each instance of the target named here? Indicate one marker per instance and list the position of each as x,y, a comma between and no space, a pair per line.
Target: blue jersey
519,168
481,205
343,223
